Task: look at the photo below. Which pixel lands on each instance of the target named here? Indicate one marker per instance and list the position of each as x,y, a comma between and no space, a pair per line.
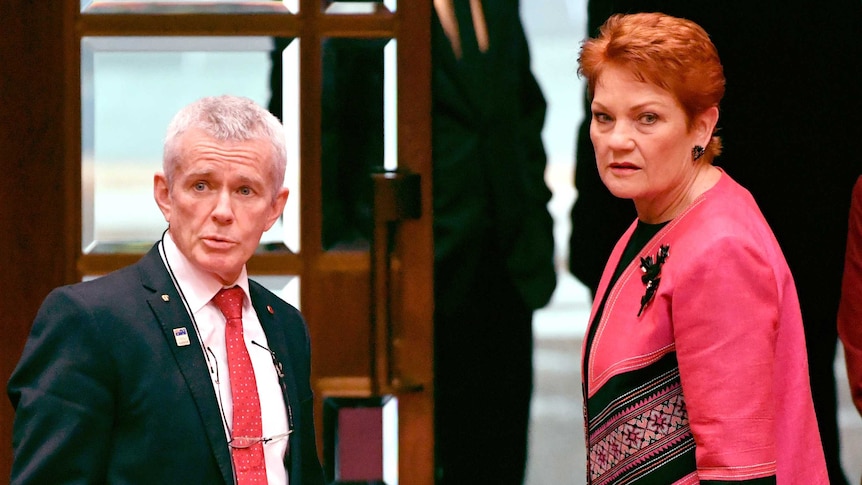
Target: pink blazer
850,310
727,305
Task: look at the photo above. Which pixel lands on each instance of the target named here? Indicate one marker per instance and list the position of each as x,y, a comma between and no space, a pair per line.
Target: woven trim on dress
643,436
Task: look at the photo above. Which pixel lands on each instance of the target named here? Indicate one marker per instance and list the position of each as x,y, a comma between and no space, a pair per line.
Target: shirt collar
198,286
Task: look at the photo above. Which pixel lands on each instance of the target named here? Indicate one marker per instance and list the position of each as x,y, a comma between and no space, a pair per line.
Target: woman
694,363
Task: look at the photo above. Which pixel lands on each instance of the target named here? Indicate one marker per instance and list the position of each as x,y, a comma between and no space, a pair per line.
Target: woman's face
643,144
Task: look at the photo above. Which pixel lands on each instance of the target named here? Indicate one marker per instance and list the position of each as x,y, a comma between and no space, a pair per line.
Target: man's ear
162,194
277,207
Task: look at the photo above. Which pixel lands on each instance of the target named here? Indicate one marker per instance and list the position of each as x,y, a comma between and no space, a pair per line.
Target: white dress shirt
198,289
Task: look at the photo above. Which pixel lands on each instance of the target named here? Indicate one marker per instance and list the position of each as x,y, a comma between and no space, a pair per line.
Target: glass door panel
286,287
361,440
358,6
131,87
358,134
188,6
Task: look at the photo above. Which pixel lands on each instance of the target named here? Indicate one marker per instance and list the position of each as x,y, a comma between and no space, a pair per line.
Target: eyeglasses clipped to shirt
243,442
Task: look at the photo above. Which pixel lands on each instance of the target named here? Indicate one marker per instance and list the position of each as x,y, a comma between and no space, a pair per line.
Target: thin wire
279,370
218,398
212,364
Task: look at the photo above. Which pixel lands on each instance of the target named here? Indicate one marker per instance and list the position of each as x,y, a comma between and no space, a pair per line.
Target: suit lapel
171,314
277,341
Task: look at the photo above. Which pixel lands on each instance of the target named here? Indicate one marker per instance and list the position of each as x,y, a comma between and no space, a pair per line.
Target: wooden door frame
41,222
35,250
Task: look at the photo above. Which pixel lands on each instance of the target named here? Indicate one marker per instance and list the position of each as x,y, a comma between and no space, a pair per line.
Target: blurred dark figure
493,234
850,309
790,114
493,238
351,133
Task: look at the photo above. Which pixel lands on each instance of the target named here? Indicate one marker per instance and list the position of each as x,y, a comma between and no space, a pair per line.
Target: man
145,375
493,239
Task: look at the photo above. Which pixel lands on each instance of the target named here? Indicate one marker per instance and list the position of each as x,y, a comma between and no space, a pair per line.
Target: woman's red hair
672,53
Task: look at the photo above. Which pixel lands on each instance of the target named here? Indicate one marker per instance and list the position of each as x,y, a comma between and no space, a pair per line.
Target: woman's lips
623,167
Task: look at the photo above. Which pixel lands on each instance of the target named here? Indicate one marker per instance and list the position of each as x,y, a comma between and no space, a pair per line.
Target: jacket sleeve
62,393
312,471
850,309
726,313
532,262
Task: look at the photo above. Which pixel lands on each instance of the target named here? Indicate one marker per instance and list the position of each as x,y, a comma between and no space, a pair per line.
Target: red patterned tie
248,461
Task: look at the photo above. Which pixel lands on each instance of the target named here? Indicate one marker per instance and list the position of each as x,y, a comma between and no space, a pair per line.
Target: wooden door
356,250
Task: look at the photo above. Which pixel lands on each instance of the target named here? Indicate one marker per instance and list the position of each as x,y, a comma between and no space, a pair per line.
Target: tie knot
229,301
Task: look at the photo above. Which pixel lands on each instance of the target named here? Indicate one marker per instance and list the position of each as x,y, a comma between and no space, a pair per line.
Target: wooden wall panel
34,243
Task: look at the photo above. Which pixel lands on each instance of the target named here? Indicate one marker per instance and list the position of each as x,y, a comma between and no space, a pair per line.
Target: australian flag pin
182,336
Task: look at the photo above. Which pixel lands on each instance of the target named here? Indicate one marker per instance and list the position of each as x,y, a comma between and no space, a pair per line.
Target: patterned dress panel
638,428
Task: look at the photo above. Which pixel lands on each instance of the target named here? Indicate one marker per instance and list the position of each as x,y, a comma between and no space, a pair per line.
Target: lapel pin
166,298
181,335
270,310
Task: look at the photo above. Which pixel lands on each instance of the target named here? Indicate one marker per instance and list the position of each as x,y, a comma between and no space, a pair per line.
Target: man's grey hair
226,118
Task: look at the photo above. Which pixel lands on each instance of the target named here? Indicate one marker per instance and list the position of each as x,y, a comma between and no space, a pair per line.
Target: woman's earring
697,152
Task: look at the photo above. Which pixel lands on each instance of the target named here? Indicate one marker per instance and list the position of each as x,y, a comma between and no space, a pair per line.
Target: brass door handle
397,196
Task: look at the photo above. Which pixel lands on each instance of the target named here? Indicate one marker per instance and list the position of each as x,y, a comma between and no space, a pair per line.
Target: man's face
220,202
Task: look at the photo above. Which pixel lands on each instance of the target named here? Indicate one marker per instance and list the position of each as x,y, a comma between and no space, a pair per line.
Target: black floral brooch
652,274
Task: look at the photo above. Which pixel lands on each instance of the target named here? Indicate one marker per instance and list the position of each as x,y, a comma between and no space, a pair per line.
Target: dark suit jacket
490,195
103,393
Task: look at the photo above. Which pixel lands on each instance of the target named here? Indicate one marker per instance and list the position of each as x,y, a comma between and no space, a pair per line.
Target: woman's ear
705,125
